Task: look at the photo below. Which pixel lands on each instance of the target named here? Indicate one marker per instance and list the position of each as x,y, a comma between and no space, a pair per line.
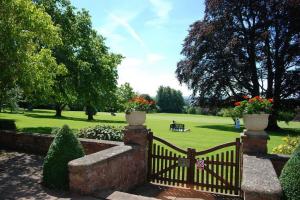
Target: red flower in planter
237,103
246,97
252,100
270,100
257,97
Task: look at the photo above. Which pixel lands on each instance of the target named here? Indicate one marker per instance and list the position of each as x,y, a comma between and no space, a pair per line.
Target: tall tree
64,15
169,100
244,47
98,74
26,38
92,73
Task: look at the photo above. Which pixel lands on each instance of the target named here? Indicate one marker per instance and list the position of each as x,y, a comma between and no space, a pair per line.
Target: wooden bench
177,127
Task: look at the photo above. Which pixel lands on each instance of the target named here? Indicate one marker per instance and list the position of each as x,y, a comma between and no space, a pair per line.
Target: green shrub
191,110
290,177
102,132
227,112
64,148
7,124
285,116
289,146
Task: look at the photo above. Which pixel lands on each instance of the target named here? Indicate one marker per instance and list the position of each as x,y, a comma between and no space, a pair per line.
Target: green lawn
206,131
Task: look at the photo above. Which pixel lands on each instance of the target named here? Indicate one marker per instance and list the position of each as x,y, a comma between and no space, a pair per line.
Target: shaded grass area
205,131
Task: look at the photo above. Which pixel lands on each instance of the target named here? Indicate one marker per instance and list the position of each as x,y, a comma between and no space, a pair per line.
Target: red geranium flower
252,100
246,97
237,103
270,100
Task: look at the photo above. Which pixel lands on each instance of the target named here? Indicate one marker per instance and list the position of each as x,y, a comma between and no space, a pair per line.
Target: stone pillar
137,136
254,142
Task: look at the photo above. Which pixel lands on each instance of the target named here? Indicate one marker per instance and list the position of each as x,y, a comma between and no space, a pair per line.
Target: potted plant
255,112
136,110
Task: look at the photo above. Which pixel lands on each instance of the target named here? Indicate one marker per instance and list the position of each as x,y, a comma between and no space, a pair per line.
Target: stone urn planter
256,122
136,118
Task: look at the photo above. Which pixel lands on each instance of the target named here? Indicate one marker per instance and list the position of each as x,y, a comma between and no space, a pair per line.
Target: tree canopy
26,39
243,47
92,69
169,100
50,53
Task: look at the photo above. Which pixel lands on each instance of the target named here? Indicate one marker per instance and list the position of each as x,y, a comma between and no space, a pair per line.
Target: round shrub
64,148
290,177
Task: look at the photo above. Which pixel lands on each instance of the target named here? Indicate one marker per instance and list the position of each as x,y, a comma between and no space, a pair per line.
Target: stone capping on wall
39,143
260,180
98,157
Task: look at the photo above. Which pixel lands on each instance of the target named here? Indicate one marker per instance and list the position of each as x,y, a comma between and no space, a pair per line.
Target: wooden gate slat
197,177
178,172
222,171
217,173
202,175
158,165
153,162
174,171
231,171
161,165
211,176
207,175
183,174
166,166
169,172
226,170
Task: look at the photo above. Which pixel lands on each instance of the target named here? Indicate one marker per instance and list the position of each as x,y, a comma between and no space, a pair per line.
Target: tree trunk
269,93
272,125
58,109
90,117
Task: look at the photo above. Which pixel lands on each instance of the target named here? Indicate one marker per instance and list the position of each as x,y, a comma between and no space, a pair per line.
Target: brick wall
39,143
116,168
278,162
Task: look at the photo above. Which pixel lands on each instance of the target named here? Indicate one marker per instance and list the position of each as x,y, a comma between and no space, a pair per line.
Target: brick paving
20,178
176,193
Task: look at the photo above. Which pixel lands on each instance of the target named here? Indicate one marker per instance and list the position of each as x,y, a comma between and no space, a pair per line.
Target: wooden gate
216,169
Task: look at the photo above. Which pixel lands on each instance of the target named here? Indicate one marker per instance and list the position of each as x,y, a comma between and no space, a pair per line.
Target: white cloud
125,24
154,58
115,37
162,8
141,76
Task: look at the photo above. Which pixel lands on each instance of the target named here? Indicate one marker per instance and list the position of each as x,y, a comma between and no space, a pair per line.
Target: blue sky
149,33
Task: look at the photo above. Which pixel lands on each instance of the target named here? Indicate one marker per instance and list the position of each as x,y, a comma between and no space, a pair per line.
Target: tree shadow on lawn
40,111
230,128
226,128
285,132
74,119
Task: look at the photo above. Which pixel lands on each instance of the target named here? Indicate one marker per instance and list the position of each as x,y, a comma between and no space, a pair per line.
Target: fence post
237,166
191,168
149,168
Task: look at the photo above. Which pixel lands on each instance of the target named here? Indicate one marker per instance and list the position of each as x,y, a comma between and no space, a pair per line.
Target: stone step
122,196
